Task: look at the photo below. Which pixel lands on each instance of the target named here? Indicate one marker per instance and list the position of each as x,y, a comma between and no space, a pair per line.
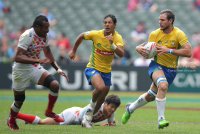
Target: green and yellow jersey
102,56
174,40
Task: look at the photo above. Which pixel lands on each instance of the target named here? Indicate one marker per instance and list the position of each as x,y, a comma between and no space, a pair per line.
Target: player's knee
100,87
54,85
49,81
19,99
163,86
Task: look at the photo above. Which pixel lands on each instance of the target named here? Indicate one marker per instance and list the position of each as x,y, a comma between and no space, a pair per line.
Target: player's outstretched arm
108,123
72,53
49,55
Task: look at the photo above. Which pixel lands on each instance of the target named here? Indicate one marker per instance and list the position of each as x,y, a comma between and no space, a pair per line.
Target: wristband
113,46
170,51
55,65
59,70
37,60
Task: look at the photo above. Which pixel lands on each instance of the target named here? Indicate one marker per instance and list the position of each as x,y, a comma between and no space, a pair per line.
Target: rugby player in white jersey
74,115
27,69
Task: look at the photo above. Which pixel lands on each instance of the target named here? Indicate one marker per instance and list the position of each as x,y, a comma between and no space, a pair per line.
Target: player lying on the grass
74,115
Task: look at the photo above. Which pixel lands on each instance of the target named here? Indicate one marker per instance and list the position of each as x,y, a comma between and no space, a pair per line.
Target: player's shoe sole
163,123
126,115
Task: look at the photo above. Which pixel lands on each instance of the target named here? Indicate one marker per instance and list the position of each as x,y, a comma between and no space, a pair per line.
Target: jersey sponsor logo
160,42
104,52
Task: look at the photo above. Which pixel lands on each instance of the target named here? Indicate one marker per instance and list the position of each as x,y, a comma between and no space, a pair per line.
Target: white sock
92,104
53,94
161,104
141,101
15,108
36,120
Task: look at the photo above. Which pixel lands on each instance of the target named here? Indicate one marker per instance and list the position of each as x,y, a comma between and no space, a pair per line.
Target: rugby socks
92,104
28,117
52,100
13,113
141,101
161,104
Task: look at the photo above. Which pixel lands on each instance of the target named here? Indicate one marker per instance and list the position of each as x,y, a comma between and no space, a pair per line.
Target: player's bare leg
15,107
162,84
99,85
101,99
47,80
141,101
48,121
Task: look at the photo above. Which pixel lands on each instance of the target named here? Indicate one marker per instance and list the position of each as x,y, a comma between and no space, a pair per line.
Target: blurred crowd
62,43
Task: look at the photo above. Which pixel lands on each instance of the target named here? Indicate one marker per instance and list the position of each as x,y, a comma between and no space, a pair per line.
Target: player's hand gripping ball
151,46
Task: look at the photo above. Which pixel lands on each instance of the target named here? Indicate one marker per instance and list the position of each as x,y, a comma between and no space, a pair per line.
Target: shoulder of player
26,33
178,31
157,31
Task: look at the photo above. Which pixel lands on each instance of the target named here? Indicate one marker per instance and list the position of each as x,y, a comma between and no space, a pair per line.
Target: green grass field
182,110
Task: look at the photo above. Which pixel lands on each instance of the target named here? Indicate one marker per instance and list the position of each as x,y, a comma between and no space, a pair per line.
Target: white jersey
34,44
74,115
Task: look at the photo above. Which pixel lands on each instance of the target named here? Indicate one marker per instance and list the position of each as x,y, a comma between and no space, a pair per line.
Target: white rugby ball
151,46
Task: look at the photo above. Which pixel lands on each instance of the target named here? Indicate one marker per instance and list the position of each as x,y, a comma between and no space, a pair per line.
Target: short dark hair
112,17
39,20
114,99
170,14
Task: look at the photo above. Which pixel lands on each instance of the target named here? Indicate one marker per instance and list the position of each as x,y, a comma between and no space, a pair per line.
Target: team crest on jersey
99,44
172,42
160,42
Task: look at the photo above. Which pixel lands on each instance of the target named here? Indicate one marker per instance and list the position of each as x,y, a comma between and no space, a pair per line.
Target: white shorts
22,77
73,115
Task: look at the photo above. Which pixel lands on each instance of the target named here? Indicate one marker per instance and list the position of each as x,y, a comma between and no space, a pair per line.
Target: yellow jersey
102,56
174,40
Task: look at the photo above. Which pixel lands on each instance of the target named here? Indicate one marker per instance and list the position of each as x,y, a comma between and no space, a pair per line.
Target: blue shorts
170,73
90,72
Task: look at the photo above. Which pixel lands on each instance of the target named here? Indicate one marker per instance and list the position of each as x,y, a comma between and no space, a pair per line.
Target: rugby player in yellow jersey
172,43
106,42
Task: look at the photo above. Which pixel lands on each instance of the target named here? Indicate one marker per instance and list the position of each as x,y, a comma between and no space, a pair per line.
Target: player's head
166,19
41,25
112,102
110,22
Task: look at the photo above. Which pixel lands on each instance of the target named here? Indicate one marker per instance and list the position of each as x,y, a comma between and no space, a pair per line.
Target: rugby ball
151,46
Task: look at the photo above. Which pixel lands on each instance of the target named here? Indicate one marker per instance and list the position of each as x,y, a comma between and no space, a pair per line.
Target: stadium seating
77,16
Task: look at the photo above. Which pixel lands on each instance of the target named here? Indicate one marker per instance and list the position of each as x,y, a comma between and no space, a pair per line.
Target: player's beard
165,28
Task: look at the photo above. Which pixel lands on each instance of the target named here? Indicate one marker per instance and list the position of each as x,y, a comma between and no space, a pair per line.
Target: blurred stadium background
77,16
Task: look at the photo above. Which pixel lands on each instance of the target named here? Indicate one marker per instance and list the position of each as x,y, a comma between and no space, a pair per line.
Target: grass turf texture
182,111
